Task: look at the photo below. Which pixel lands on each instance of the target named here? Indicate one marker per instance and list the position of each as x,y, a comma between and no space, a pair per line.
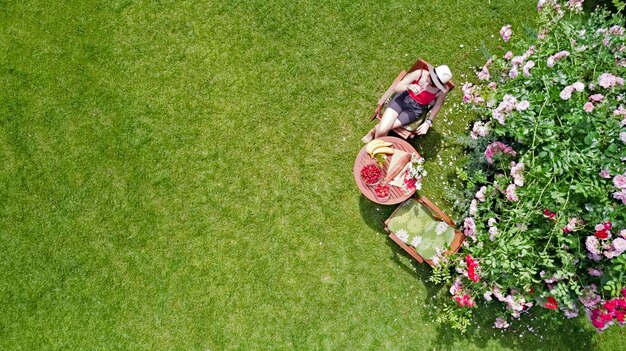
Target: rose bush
545,201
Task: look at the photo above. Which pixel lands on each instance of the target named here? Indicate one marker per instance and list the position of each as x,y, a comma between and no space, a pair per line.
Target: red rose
597,323
602,234
467,300
595,313
619,315
608,225
605,317
472,275
549,214
551,303
610,305
566,230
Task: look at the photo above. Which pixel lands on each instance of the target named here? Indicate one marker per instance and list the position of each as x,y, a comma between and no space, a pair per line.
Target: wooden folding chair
437,214
382,103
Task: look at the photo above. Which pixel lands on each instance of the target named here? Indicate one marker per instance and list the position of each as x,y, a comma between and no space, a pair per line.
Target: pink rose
588,107
508,55
529,52
500,322
469,228
620,195
566,93
517,60
592,244
622,137
616,30
523,105
578,86
575,5
510,193
542,34
620,181
473,207
540,5
516,172
506,32
596,97
605,174
620,245
481,193
498,116
527,67
559,55
595,272
484,74
479,130
607,80
497,148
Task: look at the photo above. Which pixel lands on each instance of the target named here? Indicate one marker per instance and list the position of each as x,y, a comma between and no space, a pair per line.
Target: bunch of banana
378,146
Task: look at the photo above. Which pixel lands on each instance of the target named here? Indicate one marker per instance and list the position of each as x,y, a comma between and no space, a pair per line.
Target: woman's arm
423,128
438,103
404,83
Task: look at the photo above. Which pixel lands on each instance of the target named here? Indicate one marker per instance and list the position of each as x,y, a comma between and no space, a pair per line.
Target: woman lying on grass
414,93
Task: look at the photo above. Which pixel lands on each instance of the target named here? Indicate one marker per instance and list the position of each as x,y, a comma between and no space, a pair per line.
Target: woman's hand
415,88
423,128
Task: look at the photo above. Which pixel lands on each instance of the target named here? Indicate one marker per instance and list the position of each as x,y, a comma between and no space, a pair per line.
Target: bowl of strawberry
382,192
371,174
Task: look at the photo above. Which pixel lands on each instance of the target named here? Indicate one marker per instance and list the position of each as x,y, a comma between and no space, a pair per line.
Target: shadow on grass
540,330
374,214
428,145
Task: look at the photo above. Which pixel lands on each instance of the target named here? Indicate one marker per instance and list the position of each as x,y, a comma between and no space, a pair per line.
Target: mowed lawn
178,175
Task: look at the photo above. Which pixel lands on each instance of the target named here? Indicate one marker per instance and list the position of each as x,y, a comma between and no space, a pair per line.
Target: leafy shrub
546,174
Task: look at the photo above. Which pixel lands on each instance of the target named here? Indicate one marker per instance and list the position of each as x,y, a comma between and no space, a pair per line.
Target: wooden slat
411,251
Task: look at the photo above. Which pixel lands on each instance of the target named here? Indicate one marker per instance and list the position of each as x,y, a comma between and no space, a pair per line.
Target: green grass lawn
178,175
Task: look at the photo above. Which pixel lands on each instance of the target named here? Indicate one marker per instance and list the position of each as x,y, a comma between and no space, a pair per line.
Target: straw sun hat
440,76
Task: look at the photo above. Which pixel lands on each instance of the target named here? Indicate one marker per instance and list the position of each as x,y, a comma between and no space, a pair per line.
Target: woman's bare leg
369,136
388,122
398,129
